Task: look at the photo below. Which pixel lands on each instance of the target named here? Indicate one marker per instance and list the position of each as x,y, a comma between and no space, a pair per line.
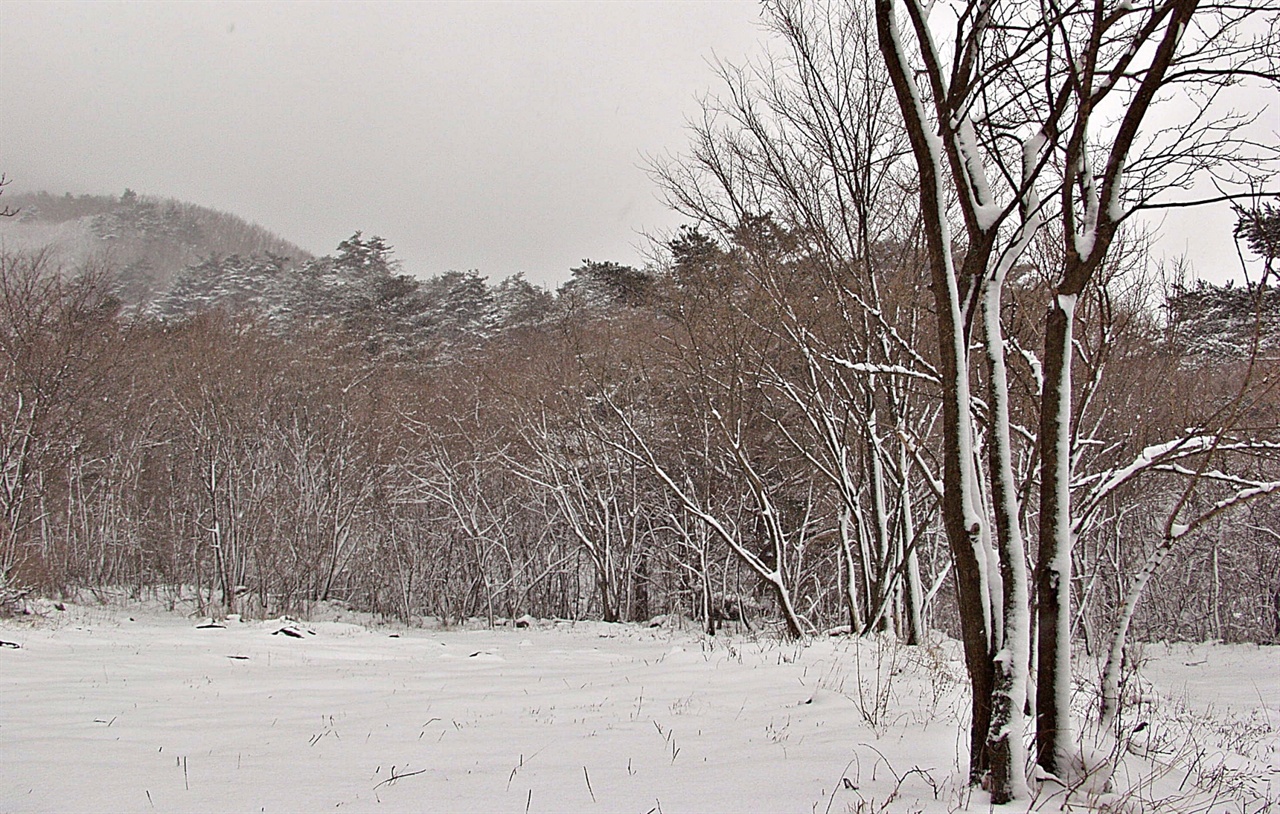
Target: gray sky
503,137
497,136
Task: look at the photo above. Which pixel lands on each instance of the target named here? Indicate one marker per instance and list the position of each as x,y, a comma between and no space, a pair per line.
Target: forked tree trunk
850,572
960,518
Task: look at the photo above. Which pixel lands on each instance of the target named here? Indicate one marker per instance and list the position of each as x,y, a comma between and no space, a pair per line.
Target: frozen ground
133,709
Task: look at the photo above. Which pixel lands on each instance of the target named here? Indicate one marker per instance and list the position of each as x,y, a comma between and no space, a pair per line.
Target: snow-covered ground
134,709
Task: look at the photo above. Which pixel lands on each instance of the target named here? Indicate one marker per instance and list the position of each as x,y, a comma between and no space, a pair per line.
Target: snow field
128,709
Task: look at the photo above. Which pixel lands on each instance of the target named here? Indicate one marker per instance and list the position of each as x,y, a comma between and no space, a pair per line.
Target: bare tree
6,211
794,168
57,335
1201,459
1022,115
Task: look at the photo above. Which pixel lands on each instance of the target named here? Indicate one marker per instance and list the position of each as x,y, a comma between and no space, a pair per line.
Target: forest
910,366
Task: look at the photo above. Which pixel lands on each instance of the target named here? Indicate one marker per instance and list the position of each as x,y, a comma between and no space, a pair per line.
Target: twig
394,777
844,776
515,769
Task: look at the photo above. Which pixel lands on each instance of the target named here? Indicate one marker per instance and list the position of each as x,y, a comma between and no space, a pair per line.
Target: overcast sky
502,137
497,136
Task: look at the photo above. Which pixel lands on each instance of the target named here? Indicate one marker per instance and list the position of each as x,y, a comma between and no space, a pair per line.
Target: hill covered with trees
144,239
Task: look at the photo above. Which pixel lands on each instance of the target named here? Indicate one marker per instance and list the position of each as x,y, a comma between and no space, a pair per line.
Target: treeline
386,313
738,432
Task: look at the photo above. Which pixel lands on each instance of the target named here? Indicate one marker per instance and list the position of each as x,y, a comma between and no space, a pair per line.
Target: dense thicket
708,440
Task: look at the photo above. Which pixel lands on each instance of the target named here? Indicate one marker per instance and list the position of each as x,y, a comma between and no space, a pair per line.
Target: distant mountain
175,261
148,240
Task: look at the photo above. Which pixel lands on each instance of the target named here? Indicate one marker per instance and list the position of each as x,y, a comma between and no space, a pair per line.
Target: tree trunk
849,574
960,517
1120,631
914,592
1275,622
608,602
1053,576
794,630
1004,740
640,610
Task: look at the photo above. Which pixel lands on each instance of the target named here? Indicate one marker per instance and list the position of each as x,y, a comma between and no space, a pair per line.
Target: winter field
136,708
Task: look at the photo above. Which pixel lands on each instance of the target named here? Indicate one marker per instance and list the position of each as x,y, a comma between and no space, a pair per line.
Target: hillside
149,239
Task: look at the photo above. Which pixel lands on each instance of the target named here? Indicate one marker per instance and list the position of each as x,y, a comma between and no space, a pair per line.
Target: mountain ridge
149,239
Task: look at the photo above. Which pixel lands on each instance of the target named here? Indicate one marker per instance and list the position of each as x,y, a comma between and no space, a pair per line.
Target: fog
502,137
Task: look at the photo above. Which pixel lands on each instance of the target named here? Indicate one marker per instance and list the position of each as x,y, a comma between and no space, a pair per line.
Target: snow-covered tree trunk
849,581
1004,739
1173,533
886,544
964,525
